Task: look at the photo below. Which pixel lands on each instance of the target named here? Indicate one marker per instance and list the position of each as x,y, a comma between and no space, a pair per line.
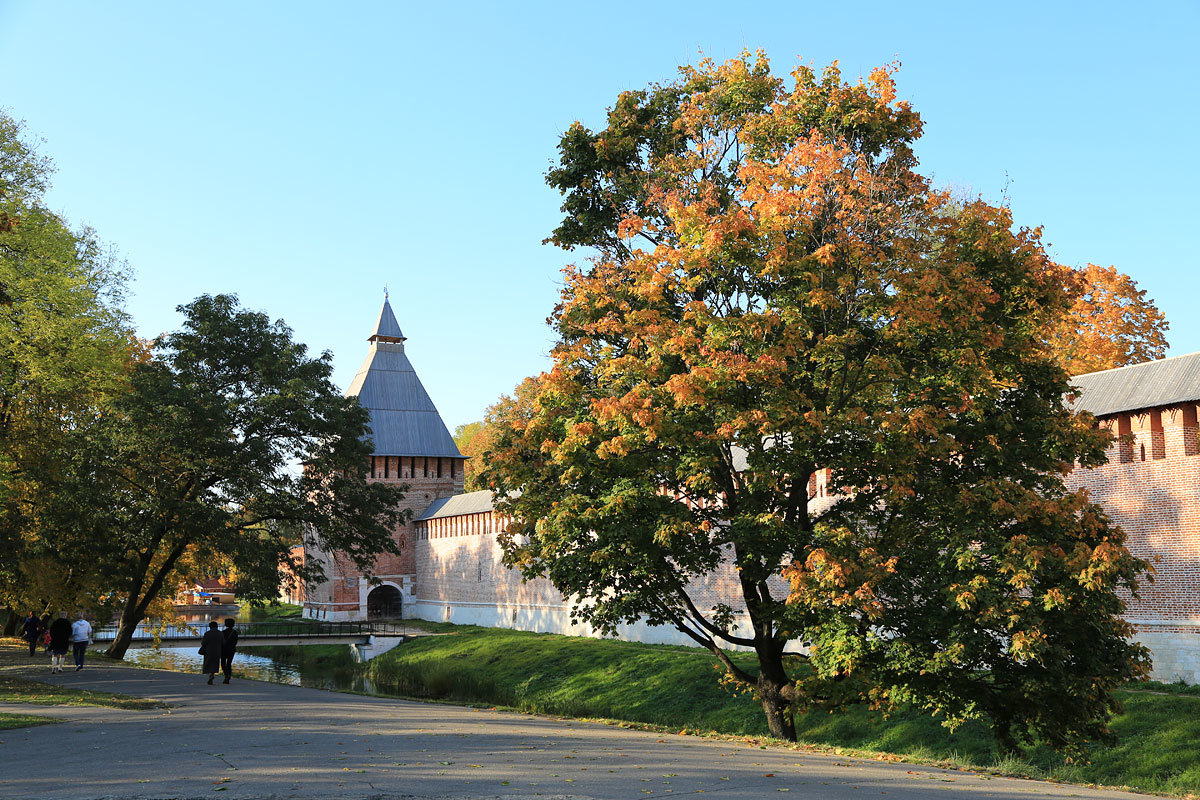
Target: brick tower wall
343,595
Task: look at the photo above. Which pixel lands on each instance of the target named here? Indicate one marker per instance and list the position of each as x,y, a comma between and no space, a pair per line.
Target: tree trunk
135,608
10,625
131,615
776,691
1006,743
780,721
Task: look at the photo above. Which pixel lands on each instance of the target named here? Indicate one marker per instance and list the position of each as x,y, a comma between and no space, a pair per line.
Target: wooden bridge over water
251,634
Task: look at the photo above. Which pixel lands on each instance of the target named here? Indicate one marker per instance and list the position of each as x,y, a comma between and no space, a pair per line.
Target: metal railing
263,630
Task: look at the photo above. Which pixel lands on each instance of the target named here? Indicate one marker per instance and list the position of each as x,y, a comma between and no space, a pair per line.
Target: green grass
545,673
9,721
1167,688
676,688
20,690
270,612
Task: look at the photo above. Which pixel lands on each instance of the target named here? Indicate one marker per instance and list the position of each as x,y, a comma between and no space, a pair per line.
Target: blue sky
303,155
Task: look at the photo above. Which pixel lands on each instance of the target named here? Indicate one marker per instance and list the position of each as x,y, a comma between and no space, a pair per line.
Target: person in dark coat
31,631
210,647
228,648
60,641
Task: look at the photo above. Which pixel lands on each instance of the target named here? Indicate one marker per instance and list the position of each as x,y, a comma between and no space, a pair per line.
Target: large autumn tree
795,367
231,444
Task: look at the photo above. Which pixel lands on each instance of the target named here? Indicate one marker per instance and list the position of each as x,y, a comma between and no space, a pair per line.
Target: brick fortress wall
460,579
1150,487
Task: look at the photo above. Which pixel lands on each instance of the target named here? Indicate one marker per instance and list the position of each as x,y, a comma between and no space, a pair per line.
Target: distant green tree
231,446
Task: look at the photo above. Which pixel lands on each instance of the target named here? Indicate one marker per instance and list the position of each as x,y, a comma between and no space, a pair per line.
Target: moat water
333,669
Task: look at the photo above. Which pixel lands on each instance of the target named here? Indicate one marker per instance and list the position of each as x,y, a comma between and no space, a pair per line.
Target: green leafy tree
795,367
471,439
231,445
65,350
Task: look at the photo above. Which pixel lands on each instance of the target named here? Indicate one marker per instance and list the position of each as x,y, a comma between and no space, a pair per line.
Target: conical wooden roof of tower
404,421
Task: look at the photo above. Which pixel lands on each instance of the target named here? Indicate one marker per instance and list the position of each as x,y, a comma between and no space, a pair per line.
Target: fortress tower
411,445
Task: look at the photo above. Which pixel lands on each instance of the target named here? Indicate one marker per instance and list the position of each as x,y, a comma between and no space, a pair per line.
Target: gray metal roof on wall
404,421
469,503
1152,383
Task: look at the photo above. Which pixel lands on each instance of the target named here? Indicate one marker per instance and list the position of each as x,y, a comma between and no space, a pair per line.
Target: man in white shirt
81,637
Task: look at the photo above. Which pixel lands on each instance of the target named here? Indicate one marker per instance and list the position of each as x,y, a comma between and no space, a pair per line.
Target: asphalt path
260,740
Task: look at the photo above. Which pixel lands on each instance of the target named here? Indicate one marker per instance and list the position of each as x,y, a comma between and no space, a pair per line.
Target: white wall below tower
543,618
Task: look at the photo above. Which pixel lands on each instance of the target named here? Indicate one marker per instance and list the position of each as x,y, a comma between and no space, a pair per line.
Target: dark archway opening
384,602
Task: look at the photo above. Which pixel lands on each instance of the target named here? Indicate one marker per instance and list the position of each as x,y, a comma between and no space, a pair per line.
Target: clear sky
302,155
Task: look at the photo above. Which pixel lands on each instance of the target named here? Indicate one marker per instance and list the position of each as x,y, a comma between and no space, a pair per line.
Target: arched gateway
384,602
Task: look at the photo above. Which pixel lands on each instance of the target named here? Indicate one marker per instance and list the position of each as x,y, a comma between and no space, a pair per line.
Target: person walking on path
81,637
211,647
32,631
60,641
228,647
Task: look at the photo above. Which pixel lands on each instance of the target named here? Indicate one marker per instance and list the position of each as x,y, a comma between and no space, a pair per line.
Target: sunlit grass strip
21,690
10,721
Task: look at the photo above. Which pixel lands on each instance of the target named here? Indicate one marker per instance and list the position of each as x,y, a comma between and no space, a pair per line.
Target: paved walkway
262,740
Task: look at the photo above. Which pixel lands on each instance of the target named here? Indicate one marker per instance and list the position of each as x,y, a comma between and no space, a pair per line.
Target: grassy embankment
676,688
14,658
268,612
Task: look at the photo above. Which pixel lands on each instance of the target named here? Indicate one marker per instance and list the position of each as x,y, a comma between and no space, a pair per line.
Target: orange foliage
1111,323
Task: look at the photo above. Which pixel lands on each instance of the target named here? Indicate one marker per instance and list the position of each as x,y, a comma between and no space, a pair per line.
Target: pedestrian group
218,645
58,637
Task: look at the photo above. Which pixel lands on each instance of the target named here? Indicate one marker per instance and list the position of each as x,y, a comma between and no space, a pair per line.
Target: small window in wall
372,466
1143,451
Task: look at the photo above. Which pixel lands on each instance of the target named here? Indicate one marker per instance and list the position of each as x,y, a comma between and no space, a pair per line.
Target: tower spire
386,327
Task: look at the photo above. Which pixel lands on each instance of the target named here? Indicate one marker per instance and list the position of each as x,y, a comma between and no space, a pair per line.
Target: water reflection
324,671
